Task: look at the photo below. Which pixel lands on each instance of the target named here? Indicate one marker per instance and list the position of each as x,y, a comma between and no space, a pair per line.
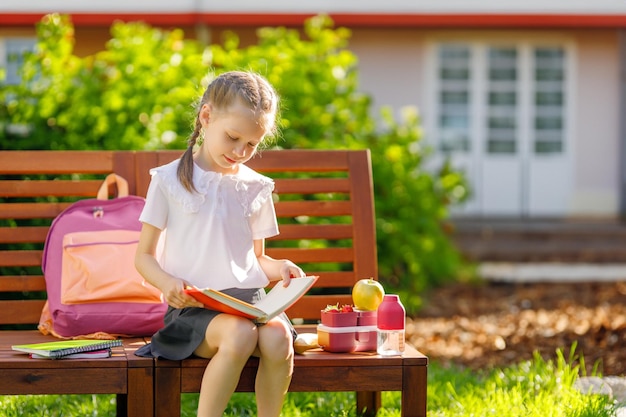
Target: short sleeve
263,221
156,208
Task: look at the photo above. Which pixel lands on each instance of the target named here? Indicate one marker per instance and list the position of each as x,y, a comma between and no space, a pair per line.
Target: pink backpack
88,264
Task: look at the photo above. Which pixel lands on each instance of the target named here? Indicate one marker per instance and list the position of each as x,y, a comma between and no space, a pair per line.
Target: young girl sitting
205,221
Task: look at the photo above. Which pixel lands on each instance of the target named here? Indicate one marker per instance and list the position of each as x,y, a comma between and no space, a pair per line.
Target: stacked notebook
69,349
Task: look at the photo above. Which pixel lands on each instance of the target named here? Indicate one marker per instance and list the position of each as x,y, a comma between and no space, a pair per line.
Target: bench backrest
324,201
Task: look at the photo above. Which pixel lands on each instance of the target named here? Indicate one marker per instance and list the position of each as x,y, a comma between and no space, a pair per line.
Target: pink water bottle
390,326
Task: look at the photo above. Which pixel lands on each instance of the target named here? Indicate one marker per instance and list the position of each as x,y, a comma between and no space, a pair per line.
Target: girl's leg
275,351
229,342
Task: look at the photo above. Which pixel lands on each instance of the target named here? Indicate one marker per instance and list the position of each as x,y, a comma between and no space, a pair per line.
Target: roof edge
448,21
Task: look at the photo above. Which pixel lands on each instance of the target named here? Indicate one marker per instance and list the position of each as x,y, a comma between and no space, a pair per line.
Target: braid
185,167
253,90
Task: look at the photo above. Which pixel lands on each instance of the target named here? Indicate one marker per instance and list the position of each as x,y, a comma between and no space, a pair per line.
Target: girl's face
230,138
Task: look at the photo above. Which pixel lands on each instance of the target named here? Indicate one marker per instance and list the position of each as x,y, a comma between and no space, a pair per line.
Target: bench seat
124,374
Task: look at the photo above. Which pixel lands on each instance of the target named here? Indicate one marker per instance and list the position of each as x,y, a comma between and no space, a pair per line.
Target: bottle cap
391,314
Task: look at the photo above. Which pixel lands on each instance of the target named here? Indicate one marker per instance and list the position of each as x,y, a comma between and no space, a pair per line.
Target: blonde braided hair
252,90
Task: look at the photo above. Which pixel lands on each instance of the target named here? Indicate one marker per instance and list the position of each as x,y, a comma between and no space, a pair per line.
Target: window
549,77
500,99
14,49
454,97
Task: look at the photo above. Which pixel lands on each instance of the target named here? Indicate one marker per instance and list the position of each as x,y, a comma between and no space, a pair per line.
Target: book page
277,300
280,298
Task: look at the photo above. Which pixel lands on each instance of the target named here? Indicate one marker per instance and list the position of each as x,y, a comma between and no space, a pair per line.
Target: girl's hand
176,297
290,270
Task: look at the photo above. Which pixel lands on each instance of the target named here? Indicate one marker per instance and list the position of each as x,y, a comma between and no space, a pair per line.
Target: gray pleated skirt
185,328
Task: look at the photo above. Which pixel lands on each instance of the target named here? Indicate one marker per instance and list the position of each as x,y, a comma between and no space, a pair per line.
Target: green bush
136,94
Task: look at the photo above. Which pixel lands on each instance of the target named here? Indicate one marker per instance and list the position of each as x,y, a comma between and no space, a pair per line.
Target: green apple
367,294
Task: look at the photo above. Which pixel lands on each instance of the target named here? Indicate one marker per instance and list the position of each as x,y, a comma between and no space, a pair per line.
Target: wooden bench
322,197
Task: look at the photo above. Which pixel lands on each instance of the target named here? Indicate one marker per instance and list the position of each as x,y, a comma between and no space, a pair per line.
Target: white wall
596,127
391,65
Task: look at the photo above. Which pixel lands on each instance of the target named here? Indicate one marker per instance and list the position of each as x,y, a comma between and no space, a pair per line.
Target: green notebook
61,348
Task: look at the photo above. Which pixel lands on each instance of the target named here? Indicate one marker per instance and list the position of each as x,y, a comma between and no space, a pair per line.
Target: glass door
501,118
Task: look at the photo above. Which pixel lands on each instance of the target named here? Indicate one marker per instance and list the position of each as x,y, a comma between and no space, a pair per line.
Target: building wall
392,66
597,124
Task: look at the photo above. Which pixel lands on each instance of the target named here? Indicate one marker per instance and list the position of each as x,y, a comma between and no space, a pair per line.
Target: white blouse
207,236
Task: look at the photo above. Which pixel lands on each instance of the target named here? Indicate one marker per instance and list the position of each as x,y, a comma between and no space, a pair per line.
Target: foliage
316,78
136,94
411,207
133,95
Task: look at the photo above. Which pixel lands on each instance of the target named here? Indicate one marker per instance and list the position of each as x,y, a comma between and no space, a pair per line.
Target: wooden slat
23,234
367,377
67,381
20,258
363,216
317,231
144,162
57,188
54,162
313,208
300,161
31,210
318,359
20,311
309,307
312,185
22,283
164,157
339,255
334,279
366,372
124,166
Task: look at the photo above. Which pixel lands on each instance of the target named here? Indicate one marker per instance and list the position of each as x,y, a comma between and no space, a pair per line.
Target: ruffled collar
252,188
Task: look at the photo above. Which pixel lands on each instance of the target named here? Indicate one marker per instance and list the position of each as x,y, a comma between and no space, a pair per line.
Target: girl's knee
275,341
245,333
239,337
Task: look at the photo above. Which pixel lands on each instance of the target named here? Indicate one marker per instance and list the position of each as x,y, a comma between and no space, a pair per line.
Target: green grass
536,388
541,388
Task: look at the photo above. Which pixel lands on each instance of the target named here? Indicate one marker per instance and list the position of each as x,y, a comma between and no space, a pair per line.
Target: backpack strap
120,182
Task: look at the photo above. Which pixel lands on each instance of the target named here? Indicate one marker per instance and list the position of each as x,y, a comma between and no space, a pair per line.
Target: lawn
532,388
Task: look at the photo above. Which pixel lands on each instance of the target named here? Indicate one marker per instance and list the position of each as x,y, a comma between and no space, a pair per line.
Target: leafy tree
136,94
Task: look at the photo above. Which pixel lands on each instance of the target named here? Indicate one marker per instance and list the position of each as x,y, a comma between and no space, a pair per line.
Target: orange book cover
277,300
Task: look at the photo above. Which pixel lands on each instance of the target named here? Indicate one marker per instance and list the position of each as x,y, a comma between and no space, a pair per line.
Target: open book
277,300
62,348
